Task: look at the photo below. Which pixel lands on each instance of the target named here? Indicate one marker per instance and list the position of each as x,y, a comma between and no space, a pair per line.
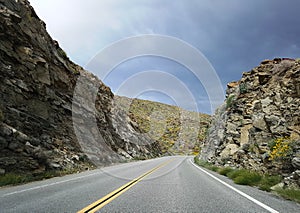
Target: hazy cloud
234,35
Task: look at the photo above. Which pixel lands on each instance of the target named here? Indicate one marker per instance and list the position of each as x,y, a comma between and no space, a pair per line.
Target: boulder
245,134
259,121
296,163
229,150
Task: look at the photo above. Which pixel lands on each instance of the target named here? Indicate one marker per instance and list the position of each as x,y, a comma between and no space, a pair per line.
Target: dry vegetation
177,131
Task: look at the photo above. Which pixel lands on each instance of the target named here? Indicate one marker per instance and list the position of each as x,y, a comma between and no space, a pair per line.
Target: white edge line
46,185
236,190
51,184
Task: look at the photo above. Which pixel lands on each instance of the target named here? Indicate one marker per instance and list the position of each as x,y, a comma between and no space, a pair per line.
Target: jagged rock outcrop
258,126
37,103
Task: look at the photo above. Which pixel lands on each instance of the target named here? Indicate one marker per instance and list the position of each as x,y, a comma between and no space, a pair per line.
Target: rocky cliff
258,126
37,103
56,116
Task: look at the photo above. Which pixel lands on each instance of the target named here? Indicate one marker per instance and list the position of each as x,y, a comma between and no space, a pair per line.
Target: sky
232,36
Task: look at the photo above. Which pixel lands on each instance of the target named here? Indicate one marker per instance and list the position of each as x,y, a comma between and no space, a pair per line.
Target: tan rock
266,102
263,77
259,121
295,135
233,84
245,134
229,150
231,129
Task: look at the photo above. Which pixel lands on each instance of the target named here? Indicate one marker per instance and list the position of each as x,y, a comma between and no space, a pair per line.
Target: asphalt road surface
168,184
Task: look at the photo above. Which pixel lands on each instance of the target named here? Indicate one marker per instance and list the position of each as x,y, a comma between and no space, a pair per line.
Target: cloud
234,35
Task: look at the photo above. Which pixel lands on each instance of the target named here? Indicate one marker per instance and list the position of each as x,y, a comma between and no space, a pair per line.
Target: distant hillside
176,130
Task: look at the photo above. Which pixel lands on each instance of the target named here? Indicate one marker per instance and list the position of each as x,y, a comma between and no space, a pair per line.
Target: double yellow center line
116,193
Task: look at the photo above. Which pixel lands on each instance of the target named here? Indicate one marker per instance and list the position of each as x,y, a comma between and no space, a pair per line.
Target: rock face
54,115
37,84
260,111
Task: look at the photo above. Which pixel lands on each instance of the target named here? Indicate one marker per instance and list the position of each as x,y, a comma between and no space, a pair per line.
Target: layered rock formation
37,84
54,115
258,126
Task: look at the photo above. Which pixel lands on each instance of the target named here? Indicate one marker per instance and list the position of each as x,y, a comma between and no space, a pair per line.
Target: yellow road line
116,193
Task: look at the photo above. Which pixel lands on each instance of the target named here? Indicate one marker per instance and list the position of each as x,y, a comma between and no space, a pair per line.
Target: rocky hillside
176,131
37,84
56,116
258,126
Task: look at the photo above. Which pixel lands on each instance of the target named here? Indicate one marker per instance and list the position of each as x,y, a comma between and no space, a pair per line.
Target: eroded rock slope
37,84
54,115
258,126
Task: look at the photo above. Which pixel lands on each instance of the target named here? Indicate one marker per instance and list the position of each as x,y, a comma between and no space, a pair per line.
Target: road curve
168,184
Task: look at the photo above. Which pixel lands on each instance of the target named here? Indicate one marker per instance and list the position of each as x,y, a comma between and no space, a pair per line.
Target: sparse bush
229,101
243,88
196,150
224,171
268,181
252,178
235,173
62,53
280,148
247,178
291,194
17,178
214,168
271,144
206,164
12,179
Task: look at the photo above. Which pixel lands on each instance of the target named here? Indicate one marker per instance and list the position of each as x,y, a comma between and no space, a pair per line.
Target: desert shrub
247,178
62,53
280,148
252,178
21,178
214,168
224,171
291,194
243,88
12,179
235,173
268,181
229,101
206,164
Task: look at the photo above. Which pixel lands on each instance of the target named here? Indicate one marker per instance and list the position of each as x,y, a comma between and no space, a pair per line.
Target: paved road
169,184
